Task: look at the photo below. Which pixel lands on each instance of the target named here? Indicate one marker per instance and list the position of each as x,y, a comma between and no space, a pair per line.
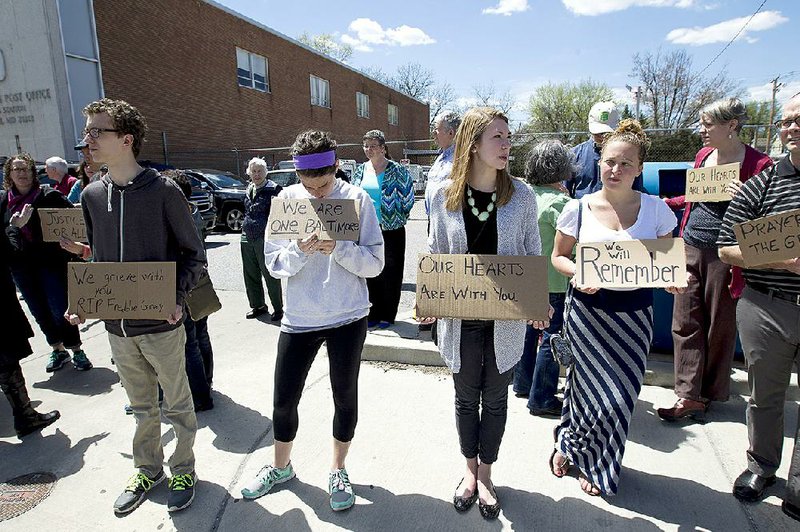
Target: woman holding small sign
610,329
704,317
39,268
481,209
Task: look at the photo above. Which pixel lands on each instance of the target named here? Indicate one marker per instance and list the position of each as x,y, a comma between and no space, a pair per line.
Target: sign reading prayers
631,264
298,218
62,222
770,239
708,184
490,287
114,290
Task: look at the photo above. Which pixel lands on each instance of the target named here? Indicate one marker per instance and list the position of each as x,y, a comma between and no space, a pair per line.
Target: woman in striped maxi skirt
610,330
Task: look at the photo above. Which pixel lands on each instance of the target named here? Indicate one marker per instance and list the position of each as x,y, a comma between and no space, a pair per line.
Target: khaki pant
143,362
770,332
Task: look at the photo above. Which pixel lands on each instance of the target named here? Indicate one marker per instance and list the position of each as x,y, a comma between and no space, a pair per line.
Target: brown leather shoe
684,408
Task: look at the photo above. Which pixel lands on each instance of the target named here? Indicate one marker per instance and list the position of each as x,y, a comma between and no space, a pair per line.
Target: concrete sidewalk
405,461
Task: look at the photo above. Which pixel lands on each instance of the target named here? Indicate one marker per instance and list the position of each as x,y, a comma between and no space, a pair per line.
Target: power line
734,38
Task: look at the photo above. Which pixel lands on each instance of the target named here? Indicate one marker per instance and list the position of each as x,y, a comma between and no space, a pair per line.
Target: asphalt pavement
404,461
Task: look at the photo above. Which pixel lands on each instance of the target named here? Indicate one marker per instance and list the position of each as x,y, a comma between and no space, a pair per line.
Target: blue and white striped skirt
611,333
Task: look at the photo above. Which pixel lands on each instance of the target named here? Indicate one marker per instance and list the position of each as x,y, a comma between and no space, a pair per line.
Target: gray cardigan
517,234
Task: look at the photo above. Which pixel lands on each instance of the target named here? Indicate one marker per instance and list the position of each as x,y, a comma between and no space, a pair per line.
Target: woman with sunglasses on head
481,209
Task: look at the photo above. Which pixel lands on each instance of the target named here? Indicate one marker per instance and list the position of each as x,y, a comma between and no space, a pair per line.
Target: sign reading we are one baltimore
298,218
490,287
117,290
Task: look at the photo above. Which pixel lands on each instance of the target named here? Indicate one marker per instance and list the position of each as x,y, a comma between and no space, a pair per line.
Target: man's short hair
58,163
126,118
449,118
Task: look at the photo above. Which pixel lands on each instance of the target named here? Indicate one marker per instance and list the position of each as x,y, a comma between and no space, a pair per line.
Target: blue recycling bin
667,180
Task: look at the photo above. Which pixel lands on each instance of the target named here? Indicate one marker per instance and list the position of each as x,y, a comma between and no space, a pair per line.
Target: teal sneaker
80,361
268,477
56,361
341,491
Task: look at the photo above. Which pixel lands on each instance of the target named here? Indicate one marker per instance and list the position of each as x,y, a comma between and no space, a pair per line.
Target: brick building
208,80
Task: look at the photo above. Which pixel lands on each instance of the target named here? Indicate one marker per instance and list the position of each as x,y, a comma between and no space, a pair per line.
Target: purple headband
313,161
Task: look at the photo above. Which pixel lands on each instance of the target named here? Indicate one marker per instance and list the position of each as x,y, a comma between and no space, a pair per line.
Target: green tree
564,107
326,44
758,114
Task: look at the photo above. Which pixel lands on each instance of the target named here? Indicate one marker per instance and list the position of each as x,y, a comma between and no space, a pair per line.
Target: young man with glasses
134,214
767,315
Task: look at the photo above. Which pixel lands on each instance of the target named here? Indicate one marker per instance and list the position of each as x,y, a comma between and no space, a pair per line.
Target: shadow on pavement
94,382
54,453
217,244
236,427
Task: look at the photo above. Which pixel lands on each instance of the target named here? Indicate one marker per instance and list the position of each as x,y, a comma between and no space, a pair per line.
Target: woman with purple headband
326,301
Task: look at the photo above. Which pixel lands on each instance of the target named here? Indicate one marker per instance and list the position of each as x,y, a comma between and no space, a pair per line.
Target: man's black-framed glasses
786,123
94,132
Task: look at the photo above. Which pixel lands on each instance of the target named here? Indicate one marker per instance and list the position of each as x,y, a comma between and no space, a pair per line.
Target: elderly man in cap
603,119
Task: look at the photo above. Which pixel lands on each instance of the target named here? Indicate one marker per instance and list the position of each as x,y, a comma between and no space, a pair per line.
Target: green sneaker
80,361
181,492
138,486
57,361
341,491
268,477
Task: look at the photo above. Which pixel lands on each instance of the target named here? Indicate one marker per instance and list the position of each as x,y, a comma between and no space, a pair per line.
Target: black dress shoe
462,504
34,423
276,316
791,510
551,411
750,487
490,511
256,312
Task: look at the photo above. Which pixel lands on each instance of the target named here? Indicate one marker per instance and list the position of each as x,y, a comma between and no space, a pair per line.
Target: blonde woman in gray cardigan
481,209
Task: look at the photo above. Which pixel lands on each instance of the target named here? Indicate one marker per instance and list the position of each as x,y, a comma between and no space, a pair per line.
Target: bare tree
376,72
673,92
326,44
487,95
440,97
414,80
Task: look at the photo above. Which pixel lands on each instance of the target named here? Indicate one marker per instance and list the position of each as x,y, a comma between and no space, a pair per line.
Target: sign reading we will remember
298,218
770,239
490,287
114,290
62,222
708,184
654,263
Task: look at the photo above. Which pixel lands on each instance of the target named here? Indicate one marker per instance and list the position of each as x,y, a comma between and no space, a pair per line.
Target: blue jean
536,373
195,369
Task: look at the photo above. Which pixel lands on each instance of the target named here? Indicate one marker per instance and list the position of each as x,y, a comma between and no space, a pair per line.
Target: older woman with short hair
257,202
704,318
548,164
391,189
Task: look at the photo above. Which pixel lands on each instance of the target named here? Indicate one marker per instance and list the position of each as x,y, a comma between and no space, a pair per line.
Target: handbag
560,343
202,301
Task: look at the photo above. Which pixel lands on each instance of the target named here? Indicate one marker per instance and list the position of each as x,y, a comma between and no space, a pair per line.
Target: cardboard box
490,287
298,218
654,263
115,290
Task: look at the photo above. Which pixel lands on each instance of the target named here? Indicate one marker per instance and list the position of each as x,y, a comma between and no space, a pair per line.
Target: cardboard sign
298,218
708,184
114,290
631,264
491,287
62,222
769,239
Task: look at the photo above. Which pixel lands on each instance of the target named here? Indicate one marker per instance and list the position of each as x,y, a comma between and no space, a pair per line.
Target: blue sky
518,45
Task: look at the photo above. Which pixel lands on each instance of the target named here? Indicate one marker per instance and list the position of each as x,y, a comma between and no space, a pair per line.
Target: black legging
296,353
384,290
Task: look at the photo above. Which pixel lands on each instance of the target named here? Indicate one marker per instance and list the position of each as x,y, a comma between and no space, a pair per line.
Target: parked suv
228,191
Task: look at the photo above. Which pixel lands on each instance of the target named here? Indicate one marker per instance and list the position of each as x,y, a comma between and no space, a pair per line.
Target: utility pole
637,93
775,88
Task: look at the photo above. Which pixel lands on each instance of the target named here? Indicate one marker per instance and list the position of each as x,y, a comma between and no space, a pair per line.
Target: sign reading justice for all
708,183
298,218
654,263
115,290
482,287
62,222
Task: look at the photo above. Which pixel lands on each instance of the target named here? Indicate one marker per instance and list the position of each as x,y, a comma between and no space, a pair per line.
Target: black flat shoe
750,487
462,504
490,511
791,510
256,312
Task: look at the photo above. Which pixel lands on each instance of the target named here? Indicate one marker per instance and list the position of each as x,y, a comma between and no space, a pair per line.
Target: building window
251,70
362,105
320,92
392,115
